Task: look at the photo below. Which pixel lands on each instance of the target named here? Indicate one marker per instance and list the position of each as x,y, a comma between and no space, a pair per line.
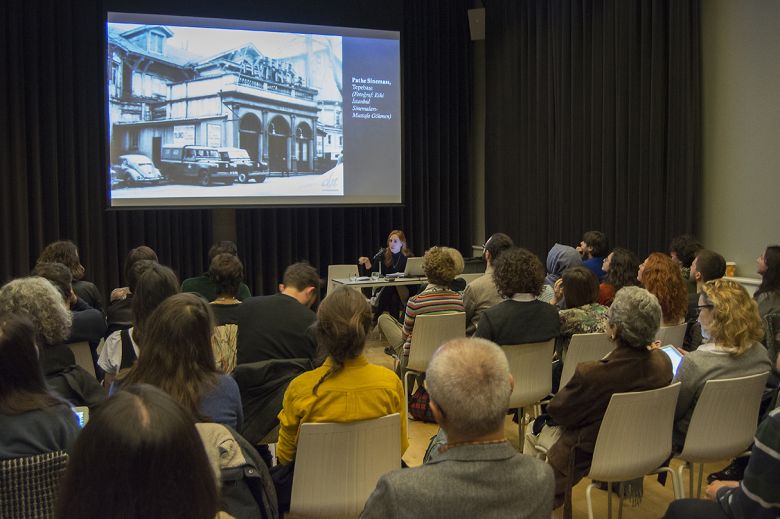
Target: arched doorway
249,135
278,136
303,134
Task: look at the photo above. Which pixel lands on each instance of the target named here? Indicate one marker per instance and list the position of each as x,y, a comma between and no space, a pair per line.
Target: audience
66,252
732,328
87,323
579,289
593,248
139,457
204,285
477,473
346,388
277,326
521,317
707,266
50,316
660,275
622,268
155,283
577,409
226,271
482,293
177,357
768,294
120,312
441,265
33,420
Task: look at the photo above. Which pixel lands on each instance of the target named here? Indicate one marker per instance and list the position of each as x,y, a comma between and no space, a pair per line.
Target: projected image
210,113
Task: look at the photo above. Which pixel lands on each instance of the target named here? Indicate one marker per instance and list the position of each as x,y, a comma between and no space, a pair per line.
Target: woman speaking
388,260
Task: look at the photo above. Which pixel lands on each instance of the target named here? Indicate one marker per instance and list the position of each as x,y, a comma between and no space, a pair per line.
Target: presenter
388,260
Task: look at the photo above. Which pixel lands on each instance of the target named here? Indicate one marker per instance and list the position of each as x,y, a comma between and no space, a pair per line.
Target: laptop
414,269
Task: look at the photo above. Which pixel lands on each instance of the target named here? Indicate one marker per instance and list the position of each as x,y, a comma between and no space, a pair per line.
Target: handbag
419,406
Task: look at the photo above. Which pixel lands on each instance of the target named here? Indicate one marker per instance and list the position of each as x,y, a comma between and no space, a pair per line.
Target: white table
381,282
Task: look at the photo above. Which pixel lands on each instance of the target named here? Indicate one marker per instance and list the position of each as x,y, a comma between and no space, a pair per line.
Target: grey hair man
477,473
482,293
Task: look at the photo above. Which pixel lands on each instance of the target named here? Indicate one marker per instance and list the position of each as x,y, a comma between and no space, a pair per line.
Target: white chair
471,276
674,335
430,332
28,486
634,439
83,356
584,347
337,465
531,367
723,423
339,272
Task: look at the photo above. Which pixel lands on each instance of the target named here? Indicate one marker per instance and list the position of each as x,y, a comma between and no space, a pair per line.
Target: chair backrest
340,271
584,347
725,418
674,335
83,356
430,332
337,465
471,276
531,367
28,486
635,436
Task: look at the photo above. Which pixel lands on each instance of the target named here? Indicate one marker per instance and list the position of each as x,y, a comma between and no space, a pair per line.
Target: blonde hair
736,323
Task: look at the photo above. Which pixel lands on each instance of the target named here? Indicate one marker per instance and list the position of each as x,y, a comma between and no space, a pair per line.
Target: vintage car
135,169
239,160
200,164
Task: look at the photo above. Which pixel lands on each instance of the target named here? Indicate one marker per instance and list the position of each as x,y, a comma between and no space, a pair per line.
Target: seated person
579,289
119,315
441,265
560,258
226,271
731,327
346,388
660,275
177,357
768,293
682,250
66,252
389,260
578,408
756,496
477,473
155,283
622,267
87,324
707,266
33,420
482,293
46,308
521,317
277,326
143,453
204,285
593,248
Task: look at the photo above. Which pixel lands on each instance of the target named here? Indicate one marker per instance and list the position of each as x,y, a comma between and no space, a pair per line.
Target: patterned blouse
590,318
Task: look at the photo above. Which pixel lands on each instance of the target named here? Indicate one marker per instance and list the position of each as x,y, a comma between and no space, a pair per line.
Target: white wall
741,129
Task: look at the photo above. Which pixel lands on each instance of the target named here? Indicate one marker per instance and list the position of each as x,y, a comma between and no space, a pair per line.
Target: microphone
378,255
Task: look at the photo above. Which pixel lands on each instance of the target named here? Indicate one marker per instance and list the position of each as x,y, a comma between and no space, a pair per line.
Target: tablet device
674,355
82,413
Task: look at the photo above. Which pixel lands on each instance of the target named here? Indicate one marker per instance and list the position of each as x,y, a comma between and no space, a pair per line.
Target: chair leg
701,475
609,500
589,499
620,502
675,481
681,480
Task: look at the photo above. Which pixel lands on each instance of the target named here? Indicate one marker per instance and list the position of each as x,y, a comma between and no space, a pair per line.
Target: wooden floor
654,503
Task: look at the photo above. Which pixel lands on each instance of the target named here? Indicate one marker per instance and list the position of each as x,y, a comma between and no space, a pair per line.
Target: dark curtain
437,102
52,155
593,120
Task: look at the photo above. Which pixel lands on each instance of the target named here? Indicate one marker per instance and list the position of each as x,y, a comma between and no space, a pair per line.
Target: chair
430,332
584,347
337,465
635,439
471,276
723,423
28,486
83,354
674,335
339,272
531,367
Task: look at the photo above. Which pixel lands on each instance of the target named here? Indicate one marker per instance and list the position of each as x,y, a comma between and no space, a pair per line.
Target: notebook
413,269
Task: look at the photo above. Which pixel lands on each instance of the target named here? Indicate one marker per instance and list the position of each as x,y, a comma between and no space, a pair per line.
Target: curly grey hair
469,380
42,303
636,315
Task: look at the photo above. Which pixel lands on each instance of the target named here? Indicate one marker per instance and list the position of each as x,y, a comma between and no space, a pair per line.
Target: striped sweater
432,300
758,495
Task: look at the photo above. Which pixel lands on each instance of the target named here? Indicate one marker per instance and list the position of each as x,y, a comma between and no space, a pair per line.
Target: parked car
135,169
238,160
201,164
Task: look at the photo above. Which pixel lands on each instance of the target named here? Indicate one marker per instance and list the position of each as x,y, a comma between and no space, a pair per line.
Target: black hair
157,283
142,252
770,280
226,271
623,269
598,241
710,265
518,270
58,275
580,287
685,248
498,243
222,247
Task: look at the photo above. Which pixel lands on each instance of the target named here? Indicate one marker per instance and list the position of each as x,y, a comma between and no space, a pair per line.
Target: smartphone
674,355
82,413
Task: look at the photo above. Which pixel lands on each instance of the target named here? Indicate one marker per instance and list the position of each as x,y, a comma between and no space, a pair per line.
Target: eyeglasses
699,308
